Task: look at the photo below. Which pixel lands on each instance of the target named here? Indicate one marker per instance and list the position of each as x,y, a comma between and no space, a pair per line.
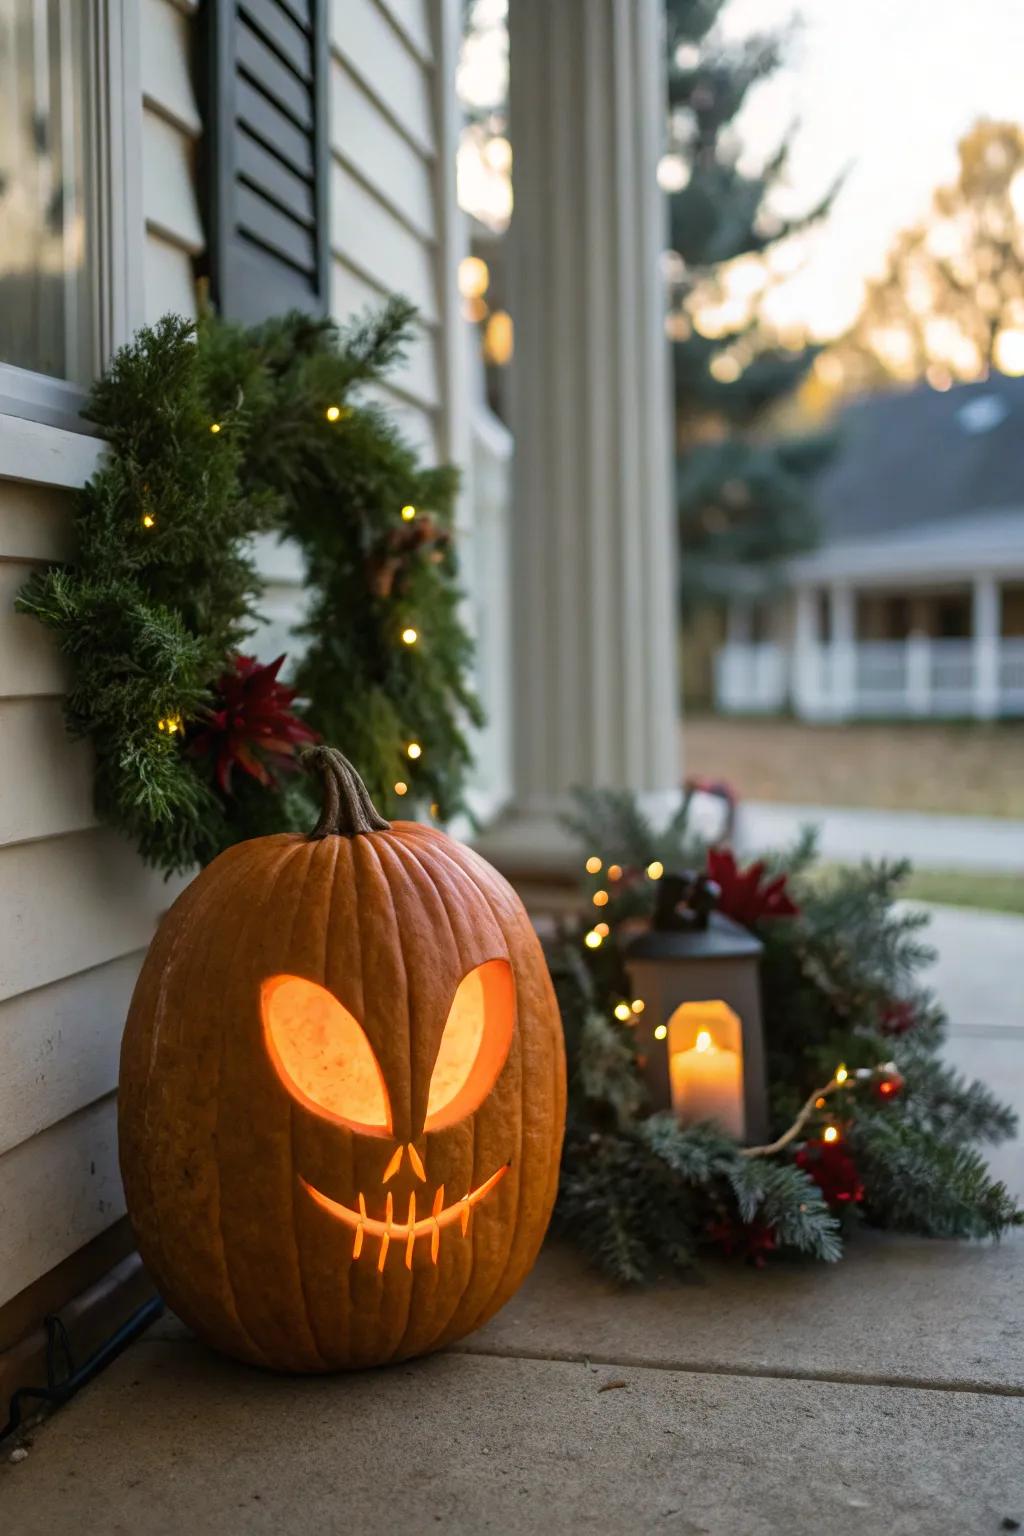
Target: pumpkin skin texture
246,1180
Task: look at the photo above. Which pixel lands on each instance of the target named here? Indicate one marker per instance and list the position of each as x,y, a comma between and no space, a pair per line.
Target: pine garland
642,1194
215,434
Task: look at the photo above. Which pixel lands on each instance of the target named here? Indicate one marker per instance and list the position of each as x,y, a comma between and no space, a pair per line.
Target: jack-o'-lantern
342,1092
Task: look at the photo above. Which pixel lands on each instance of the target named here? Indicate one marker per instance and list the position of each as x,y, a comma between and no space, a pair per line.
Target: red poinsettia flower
752,1241
251,723
897,1017
743,897
834,1171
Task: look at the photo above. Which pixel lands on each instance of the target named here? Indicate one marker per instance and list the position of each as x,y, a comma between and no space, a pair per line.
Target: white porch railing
916,678
751,678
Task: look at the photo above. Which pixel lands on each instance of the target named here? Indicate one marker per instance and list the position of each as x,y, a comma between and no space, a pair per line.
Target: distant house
913,605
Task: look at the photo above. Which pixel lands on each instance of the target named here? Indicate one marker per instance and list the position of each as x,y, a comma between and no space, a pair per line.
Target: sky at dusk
880,89
886,88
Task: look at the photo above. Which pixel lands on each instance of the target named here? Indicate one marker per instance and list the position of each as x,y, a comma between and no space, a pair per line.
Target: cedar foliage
150,612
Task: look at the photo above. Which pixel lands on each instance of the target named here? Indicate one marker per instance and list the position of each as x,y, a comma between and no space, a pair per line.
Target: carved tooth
388,1208
435,1242
438,1201
357,1246
410,1241
465,1214
385,1243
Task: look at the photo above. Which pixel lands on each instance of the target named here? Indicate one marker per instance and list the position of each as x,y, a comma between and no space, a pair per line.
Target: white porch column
594,560
986,626
842,643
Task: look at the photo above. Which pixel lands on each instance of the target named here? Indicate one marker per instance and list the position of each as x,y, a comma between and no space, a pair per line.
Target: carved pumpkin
342,1092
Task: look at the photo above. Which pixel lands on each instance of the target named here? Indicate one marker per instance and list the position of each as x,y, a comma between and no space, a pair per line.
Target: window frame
114,131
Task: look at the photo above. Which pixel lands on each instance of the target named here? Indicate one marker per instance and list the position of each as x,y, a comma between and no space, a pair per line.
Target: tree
950,303
742,496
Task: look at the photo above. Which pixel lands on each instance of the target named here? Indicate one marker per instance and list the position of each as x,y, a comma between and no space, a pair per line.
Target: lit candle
707,1084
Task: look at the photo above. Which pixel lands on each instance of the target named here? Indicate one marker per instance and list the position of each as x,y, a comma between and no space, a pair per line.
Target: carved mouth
391,1231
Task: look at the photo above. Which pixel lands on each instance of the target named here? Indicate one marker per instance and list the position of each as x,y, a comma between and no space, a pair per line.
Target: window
47,308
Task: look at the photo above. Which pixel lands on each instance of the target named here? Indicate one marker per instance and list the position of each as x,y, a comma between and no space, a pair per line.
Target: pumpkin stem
347,808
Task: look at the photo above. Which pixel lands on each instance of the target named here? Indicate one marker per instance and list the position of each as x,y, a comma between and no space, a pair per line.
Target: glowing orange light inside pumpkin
324,1059
474,1045
322,1055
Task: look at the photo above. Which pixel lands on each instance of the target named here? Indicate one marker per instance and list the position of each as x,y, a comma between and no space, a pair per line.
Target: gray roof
924,456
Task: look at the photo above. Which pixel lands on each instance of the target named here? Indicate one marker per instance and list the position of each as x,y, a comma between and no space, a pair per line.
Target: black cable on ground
58,1346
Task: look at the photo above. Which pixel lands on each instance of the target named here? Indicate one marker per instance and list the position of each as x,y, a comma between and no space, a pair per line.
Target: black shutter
266,155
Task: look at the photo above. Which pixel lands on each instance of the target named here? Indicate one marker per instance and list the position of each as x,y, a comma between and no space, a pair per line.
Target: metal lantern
700,1035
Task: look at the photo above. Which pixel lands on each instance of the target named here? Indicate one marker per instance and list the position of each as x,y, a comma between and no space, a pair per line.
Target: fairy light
602,929
661,1031
637,1005
655,869
623,1011
409,635
830,1134
333,413
593,865
820,1103
614,871
215,427
401,788
414,750
600,898
841,1073
408,513
170,725
148,520
435,809
593,940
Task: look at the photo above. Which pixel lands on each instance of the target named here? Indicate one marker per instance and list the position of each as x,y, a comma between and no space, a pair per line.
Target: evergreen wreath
868,1123
215,434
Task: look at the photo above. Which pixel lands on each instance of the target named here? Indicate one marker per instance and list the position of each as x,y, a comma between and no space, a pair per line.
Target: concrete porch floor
883,1397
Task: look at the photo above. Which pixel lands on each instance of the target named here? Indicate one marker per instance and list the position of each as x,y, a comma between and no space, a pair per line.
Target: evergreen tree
742,496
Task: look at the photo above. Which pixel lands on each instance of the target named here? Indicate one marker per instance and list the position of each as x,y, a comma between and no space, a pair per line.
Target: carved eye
322,1055
474,1045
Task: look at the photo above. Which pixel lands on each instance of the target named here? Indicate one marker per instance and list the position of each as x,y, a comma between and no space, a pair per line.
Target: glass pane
46,313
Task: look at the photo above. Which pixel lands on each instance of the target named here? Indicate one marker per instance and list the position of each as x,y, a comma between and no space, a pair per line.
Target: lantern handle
347,808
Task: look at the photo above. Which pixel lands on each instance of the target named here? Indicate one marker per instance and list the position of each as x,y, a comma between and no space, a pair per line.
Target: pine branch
917,1182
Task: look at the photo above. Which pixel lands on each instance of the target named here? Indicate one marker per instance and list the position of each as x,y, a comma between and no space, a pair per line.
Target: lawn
967,888
967,769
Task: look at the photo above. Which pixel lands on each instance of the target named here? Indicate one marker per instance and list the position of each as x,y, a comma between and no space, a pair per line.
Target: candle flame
703,1041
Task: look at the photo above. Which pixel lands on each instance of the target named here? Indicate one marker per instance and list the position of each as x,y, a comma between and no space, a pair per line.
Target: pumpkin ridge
311,1325
471,867
243,934
236,861
393,846
404,852
368,851
441,848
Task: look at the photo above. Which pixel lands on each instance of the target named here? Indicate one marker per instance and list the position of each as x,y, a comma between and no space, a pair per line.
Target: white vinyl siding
389,215
171,127
77,908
